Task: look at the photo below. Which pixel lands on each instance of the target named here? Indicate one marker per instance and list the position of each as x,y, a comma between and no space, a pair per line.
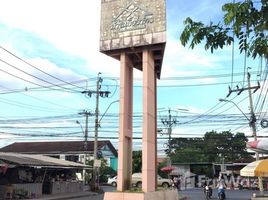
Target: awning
38,161
167,169
256,168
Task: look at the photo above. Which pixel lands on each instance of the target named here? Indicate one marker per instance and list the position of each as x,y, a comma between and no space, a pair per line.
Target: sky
49,55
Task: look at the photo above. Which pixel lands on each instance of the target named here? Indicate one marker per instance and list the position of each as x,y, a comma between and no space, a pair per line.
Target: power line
69,83
33,77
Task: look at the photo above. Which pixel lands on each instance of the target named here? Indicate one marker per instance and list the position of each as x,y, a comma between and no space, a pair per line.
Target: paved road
192,194
197,194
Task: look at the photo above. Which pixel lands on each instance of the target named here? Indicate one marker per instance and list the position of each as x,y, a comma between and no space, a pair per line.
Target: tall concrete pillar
140,44
149,123
125,127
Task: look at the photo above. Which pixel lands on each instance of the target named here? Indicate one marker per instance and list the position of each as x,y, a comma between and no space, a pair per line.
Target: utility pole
86,114
252,121
95,172
170,123
254,131
99,93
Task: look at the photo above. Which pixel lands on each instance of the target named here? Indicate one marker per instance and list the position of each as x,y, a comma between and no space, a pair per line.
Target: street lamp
107,110
252,123
96,163
225,100
85,135
85,149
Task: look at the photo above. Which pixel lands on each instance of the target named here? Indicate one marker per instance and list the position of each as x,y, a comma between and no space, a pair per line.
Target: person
179,183
221,188
254,185
176,182
207,187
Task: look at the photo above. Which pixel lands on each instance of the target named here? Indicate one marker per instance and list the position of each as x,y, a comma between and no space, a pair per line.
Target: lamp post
85,147
252,124
225,100
95,165
107,109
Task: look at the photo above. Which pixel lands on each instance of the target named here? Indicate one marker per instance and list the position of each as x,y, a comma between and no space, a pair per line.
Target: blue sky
62,39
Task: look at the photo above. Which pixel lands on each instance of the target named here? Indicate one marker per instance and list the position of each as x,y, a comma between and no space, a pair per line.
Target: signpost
134,32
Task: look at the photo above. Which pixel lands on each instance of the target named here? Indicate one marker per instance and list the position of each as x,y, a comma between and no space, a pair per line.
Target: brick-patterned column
149,123
125,126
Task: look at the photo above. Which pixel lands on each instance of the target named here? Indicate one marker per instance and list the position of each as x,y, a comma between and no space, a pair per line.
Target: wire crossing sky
49,55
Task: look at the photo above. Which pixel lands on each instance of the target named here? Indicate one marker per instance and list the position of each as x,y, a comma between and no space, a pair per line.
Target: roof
56,147
37,161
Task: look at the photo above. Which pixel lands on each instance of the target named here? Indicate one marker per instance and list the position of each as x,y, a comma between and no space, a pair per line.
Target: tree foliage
213,147
137,164
136,161
247,21
104,171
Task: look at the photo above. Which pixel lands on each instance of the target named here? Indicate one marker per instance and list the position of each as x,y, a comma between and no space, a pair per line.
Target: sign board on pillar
131,26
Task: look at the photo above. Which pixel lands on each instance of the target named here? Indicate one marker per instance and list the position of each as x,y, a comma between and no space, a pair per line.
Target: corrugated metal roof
38,160
56,147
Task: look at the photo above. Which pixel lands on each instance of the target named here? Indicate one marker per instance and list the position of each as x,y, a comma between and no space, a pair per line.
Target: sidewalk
67,196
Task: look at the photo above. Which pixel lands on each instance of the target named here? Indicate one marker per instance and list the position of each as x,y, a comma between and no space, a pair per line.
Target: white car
162,182
112,181
136,181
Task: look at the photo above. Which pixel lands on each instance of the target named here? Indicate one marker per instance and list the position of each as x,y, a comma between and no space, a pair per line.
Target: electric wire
24,61
40,79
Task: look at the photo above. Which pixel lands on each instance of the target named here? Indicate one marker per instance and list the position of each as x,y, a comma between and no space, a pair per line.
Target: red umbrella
167,169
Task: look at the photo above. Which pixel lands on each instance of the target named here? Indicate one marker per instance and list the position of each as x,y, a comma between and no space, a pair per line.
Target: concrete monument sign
134,32
132,23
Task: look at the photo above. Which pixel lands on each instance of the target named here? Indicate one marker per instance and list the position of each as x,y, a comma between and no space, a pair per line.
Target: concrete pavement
68,195
82,195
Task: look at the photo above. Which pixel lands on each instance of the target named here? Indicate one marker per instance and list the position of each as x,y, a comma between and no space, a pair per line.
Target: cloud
20,71
182,61
58,21
29,45
7,136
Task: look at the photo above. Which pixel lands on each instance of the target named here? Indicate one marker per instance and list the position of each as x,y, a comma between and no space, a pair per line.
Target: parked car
137,181
112,181
162,182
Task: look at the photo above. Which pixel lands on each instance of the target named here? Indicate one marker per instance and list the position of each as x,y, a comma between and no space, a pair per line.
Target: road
192,194
197,194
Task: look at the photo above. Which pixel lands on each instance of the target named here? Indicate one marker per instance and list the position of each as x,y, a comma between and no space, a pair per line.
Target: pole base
156,195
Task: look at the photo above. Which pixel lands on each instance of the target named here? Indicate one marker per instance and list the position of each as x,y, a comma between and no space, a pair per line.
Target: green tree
104,171
183,147
247,21
211,148
136,161
137,164
225,145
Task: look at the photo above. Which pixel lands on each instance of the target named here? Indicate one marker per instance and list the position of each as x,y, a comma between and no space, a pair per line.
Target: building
31,176
66,150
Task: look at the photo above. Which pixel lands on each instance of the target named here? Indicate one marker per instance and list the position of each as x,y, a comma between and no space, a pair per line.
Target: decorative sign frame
132,23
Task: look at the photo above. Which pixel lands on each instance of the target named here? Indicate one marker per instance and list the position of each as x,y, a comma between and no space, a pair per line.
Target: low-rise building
30,176
75,151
